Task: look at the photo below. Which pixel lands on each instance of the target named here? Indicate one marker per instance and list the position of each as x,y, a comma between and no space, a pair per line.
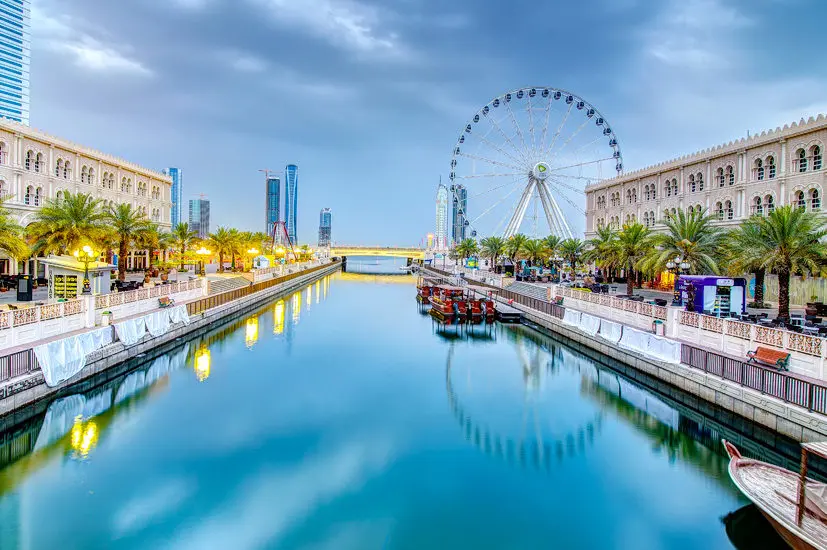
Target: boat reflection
748,529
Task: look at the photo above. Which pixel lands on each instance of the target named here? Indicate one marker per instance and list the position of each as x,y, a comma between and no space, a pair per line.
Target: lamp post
677,265
87,256
252,252
202,252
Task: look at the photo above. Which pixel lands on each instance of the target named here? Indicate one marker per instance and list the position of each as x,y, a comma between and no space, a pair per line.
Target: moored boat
795,505
447,303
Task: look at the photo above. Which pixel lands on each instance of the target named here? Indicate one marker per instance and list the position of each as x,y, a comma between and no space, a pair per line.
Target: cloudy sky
368,96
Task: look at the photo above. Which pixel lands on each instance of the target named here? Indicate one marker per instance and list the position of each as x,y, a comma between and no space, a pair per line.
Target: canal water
341,417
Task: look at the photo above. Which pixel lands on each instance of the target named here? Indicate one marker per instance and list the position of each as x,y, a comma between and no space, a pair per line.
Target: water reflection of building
251,332
278,317
309,296
296,304
202,363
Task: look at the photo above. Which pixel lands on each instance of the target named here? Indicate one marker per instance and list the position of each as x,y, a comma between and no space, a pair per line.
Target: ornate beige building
35,166
732,181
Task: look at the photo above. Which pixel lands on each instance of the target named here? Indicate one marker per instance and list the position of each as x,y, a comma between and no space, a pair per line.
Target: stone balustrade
629,312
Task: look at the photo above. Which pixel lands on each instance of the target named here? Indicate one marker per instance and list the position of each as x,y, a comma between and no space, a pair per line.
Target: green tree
692,237
11,235
223,242
787,242
514,246
182,238
572,250
535,251
631,246
493,247
127,224
153,239
734,245
602,248
65,224
467,248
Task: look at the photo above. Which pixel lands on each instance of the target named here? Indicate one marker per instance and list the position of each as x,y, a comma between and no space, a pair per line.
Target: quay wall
103,364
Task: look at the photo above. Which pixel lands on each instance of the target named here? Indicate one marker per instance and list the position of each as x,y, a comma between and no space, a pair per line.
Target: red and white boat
795,505
448,304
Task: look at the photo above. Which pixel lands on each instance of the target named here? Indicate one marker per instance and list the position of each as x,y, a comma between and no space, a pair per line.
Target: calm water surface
339,418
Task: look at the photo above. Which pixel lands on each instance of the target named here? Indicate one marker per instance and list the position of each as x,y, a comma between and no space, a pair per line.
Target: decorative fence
782,385
35,314
632,306
104,301
17,364
537,304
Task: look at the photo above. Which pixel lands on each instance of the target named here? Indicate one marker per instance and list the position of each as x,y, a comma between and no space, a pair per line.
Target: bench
165,301
770,357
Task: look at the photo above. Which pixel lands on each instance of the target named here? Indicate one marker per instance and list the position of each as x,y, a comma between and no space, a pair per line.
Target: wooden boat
448,304
795,505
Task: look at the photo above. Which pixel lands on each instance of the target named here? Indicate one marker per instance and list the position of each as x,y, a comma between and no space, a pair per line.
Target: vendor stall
713,295
65,274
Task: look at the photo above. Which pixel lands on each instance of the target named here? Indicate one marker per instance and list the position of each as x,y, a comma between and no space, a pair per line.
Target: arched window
3,153
719,176
693,186
646,192
58,167
123,185
83,173
730,175
38,195
67,170
646,219
3,190
27,198
769,204
700,178
667,190
675,186
654,192
59,195
105,178
816,154
759,169
728,210
757,208
29,159
652,217
634,195
815,200
799,201
629,196
771,167
719,210
111,181
38,162
801,159
91,178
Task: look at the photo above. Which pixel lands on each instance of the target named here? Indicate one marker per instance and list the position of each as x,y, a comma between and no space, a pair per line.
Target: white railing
648,311
104,301
35,314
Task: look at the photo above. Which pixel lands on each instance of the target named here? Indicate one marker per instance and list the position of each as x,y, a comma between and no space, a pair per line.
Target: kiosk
714,295
66,276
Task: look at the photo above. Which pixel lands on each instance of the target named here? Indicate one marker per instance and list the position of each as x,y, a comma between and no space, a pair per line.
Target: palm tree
223,242
572,250
514,246
692,237
182,238
787,241
11,235
735,243
153,239
535,250
65,224
237,244
601,249
127,224
467,248
630,247
493,247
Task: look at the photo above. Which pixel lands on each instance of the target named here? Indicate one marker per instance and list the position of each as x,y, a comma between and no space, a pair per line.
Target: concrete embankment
115,359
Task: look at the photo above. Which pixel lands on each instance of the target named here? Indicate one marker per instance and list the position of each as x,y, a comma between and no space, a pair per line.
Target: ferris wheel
525,153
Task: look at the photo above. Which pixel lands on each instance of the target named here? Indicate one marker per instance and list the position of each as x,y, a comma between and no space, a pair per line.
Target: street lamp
87,256
202,252
252,252
677,265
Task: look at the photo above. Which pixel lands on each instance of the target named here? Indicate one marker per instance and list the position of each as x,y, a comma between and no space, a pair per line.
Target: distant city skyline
459,213
272,203
199,217
325,227
291,200
176,195
441,233
15,59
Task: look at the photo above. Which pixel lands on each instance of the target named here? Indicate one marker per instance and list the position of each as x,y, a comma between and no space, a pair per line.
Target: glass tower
291,204
199,216
15,52
272,204
441,233
176,194
460,213
325,226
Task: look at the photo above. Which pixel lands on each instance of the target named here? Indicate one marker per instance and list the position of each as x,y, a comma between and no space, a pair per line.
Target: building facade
272,203
325,226
15,54
441,233
750,176
460,204
291,201
36,167
176,195
199,219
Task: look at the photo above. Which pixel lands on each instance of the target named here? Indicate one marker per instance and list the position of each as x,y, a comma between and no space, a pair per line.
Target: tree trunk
122,252
149,259
182,258
221,262
759,285
630,281
784,295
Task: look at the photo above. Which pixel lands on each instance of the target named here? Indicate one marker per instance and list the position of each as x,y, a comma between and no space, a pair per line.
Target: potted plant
812,306
106,318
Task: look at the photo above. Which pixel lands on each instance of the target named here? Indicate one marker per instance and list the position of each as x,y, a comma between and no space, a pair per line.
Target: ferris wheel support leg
519,213
555,222
563,222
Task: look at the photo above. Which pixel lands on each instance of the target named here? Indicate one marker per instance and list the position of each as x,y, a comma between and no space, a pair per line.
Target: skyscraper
291,204
15,53
460,213
272,203
441,233
325,226
200,217
176,195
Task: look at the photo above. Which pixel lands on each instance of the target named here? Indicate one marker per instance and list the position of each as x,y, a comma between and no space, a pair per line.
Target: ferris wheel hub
541,171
